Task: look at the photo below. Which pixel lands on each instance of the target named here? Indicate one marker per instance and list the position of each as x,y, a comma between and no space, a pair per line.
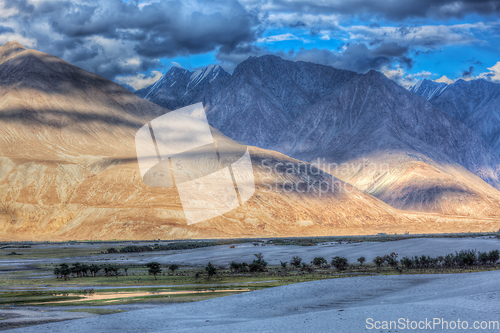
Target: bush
407,262
307,268
259,264
483,257
424,261
319,261
211,270
449,260
283,264
379,261
173,267
238,267
465,258
361,260
296,262
339,263
493,256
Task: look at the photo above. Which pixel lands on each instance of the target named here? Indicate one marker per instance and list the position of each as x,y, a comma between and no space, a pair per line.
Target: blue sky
135,42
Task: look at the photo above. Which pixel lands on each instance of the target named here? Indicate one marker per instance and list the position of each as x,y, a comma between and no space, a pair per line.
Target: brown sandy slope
413,182
68,170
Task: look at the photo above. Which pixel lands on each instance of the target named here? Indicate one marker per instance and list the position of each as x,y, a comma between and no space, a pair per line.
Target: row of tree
64,271
463,258
154,268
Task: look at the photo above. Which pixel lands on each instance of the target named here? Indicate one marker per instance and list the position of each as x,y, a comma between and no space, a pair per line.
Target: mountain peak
180,87
175,69
10,49
13,44
428,88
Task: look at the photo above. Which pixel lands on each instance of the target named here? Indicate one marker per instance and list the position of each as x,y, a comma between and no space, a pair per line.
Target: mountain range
476,103
68,170
362,128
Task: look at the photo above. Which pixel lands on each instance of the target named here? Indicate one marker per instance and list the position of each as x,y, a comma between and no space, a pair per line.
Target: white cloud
26,42
6,12
426,36
445,79
421,75
278,38
140,81
176,64
493,74
298,19
398,75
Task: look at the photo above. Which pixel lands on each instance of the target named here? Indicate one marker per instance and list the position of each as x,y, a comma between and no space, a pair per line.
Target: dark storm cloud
468,72
125,37
390,9
358,57
355,57
113,37
230,58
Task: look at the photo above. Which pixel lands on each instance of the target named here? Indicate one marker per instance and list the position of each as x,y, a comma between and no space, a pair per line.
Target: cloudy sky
135,42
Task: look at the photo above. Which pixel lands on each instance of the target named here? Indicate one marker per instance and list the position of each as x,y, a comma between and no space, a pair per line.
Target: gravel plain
338,305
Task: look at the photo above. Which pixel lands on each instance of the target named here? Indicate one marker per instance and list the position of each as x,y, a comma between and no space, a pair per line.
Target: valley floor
337,305
273,301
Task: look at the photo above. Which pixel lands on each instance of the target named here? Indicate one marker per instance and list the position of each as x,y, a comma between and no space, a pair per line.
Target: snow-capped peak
198,76
428,88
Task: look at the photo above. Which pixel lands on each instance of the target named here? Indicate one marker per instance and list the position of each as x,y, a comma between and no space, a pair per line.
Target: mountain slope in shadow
363,129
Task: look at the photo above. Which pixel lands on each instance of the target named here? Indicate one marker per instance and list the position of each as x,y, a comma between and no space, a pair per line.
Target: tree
449,259
379,261
392,260
339,263
112,270
63,271
283,264
319,261
57,272
173,267
361,260
211,270
154,268
407,262
84,270
493,256
259,264
296,262
483,257
238,267
465,258
94,269
76,269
